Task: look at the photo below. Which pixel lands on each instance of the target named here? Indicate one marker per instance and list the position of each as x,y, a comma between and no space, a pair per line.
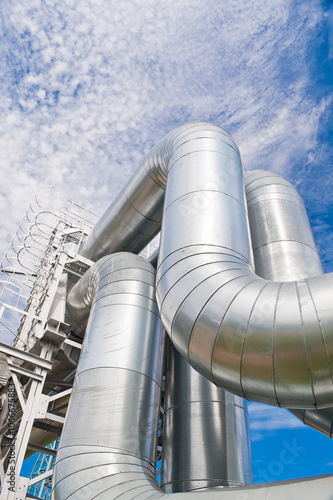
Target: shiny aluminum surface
108,444
251,327
243,332
206,432
262,189
111,425
134,218
240,330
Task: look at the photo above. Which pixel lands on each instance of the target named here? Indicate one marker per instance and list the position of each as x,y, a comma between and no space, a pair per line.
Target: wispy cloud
267,420
87,88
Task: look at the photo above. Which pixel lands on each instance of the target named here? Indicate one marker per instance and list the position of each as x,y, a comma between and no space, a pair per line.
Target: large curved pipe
266,341
223,457
283,247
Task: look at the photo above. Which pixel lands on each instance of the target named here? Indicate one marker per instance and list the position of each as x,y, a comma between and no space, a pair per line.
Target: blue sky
87,88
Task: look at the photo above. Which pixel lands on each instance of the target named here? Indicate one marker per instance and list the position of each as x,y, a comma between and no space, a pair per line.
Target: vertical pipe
206,436
110,434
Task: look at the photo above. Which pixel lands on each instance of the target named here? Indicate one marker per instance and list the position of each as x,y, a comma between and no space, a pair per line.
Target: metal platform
38,355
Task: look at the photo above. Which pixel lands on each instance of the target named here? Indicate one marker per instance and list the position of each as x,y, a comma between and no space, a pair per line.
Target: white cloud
267,420
88,88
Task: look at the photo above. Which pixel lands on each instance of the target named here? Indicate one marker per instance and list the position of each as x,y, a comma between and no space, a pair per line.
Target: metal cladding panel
286,260
220,230
115,405
271,215
123,270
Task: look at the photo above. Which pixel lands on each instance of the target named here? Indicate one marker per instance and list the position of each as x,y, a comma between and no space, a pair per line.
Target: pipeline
206,436
106,293
263,340
283,249
108,445
260,339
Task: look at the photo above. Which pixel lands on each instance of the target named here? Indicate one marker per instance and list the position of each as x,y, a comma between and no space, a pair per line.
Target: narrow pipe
111,428
206,437
266,341
283,246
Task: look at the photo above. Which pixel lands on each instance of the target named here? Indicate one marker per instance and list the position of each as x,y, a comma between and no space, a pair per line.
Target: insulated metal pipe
212,303
206,437
111,428
282,240
276,215
107,449
266,341
243,338
135,216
